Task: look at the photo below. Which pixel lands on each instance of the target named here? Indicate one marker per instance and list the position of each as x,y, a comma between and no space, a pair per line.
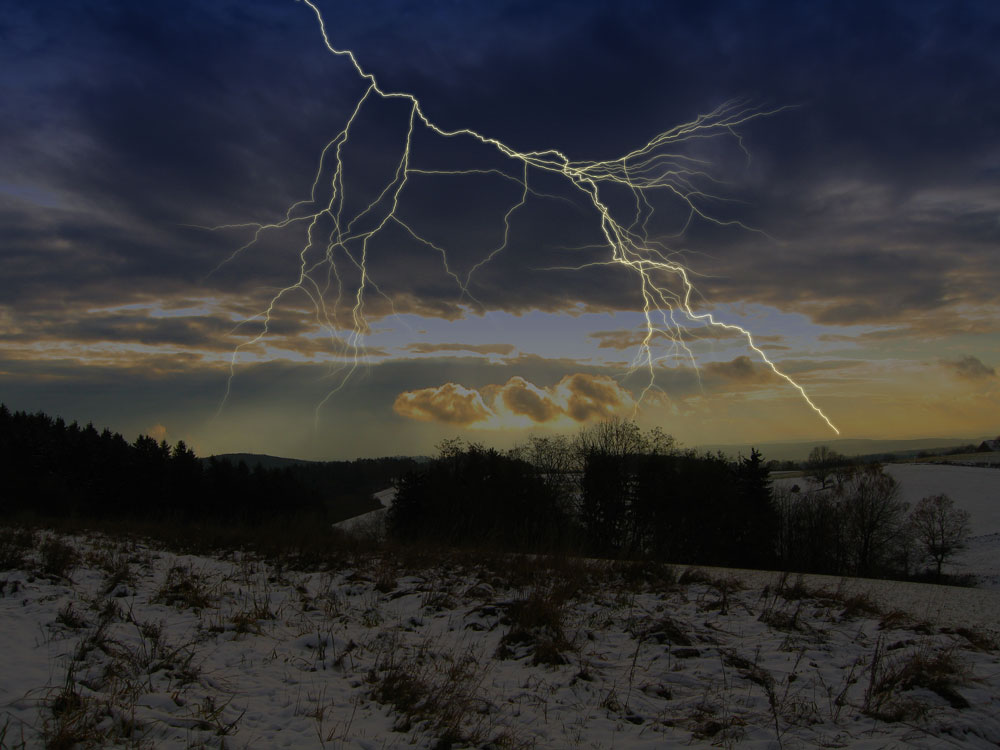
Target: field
983,459
111,642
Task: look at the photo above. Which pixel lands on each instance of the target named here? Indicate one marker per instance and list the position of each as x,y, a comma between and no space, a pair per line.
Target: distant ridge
787,451
849,447
262,459
277,462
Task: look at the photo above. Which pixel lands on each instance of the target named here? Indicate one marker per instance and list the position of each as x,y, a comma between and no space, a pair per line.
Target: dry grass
646,575
664,631
15,544
939,670
976,639
693,575
105,675
185,589
437,691
559,623
57,558
860,605
536,625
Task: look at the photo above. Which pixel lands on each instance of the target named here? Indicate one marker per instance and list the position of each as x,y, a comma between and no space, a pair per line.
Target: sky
211,230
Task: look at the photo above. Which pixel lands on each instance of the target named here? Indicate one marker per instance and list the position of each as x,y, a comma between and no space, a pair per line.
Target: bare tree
822,463
612,437
873,517
940,527
555,463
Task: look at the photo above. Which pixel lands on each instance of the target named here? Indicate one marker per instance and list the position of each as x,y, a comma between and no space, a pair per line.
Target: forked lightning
664,283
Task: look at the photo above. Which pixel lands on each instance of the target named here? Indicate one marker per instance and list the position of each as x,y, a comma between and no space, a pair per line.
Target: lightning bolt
333,237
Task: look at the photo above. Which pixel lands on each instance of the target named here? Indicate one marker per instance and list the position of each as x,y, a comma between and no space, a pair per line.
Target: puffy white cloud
578,398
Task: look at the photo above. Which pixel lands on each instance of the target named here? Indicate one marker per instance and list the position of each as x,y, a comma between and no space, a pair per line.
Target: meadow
118,641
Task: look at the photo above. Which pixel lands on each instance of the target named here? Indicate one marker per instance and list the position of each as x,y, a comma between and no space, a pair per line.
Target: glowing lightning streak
650,167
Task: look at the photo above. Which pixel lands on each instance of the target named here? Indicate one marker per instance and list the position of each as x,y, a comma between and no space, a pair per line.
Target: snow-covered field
135,646
974,489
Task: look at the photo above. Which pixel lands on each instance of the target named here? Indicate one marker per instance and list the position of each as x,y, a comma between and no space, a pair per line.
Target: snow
198,651
371,523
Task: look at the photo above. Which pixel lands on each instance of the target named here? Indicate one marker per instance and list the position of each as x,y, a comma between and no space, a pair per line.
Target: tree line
616,491
612,491
51,468
852,521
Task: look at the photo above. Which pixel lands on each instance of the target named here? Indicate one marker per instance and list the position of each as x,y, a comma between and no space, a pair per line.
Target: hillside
118,643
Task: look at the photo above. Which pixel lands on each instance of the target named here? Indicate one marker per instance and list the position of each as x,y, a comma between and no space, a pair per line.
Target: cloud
450,403
938,324
592,397
907,221
428,348
578,398
630,338
620,339
970,368
522,397
740,370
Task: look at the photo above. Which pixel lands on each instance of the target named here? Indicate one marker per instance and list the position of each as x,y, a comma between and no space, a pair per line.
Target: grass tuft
439,693
536,627
940,671
57,559
14,547
184,589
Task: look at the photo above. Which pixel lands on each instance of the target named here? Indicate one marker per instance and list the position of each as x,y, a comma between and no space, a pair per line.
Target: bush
184,589
441,691
57,558
939,671
536,628
14,546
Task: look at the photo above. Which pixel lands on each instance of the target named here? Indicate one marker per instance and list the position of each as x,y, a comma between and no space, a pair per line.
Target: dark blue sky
122,122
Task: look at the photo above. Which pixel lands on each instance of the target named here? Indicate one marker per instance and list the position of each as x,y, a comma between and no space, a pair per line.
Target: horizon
816,202
787,449
925,443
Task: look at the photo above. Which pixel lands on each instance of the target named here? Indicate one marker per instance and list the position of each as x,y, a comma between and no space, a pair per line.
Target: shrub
57,558
939,671
14,546
536,627
184,589
440,691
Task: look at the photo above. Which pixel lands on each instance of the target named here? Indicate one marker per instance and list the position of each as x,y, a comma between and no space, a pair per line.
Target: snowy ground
371,523
134,646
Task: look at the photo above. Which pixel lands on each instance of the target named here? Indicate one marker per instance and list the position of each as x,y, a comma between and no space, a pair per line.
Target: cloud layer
124,127
970,368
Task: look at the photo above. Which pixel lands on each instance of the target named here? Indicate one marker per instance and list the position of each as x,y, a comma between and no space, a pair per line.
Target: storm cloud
860,219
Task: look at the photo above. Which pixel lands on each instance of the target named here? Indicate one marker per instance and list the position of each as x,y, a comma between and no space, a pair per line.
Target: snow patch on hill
136,646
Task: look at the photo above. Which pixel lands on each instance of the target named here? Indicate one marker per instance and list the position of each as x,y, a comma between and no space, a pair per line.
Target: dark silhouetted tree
822,464
940,528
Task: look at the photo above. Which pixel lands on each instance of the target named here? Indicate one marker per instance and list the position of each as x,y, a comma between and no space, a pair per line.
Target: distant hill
265,461
849,447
